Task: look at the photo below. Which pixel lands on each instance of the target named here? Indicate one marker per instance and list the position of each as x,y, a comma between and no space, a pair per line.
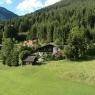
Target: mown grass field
54,78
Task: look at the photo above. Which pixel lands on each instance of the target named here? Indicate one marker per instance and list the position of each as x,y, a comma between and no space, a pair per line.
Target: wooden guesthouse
46,48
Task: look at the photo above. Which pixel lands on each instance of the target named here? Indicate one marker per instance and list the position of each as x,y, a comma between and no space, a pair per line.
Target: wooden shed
30,60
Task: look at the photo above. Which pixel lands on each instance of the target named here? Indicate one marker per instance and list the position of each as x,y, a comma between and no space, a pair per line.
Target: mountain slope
6,14
54,23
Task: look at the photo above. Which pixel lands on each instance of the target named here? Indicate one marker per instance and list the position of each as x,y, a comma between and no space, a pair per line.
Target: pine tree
6,50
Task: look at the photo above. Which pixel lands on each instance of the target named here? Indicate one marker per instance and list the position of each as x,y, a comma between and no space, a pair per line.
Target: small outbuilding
30,60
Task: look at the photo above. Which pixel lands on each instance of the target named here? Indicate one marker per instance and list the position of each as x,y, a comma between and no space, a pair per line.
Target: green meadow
53,78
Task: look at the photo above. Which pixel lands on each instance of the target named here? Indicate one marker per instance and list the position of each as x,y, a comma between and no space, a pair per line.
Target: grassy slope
55,78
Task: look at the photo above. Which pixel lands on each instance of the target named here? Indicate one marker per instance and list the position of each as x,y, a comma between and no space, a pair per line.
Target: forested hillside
54,23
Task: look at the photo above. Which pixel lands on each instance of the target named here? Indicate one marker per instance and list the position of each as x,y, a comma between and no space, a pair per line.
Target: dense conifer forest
54,23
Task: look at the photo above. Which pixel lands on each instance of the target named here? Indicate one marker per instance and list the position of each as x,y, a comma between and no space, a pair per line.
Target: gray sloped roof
30,59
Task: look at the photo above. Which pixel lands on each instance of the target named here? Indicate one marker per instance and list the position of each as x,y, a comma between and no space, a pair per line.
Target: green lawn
54,78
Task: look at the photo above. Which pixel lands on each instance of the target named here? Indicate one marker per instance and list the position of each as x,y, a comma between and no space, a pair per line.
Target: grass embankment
54,78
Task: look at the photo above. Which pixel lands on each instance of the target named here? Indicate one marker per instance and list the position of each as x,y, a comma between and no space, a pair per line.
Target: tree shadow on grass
85,58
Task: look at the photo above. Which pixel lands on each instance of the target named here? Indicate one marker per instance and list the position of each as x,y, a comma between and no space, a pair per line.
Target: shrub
91,51
58,56
70,52
77,43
